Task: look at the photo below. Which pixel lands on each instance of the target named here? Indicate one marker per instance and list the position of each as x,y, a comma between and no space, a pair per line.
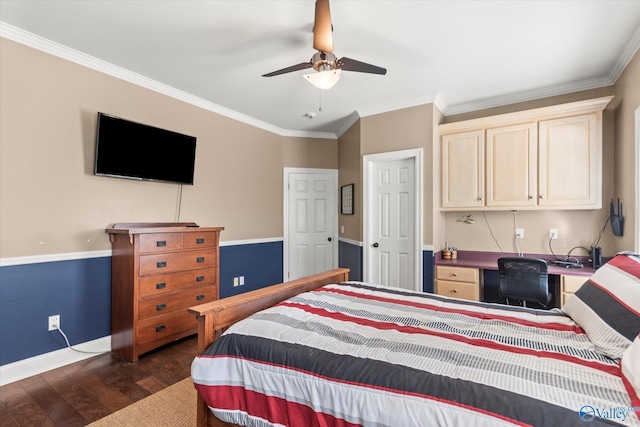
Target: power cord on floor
57,328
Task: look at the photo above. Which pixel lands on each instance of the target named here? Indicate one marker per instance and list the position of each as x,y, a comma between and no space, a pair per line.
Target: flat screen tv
126,149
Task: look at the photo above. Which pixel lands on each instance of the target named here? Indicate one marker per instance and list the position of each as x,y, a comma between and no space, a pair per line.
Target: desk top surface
489,261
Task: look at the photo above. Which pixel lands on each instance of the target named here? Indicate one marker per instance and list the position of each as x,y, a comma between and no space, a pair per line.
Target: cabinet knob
200,297
199,278
530,197
200,259
161,264
455,291
542,196
161,243
480,199
161,328
161,285
160,307
200,240
455,274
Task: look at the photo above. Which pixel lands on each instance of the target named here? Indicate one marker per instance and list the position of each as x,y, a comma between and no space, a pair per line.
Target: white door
392,229
311,242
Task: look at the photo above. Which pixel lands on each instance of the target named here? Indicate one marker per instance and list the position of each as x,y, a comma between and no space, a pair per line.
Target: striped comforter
356,354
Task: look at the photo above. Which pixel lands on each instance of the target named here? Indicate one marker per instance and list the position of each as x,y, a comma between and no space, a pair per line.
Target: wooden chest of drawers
158,270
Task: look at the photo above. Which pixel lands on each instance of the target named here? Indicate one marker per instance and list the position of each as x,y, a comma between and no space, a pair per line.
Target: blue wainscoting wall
350,256
259,263
78,290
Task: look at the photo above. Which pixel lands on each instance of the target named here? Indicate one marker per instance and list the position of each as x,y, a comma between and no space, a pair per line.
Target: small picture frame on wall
346,200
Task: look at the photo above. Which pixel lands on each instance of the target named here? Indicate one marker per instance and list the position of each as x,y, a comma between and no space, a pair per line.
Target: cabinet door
512,163
463,170
570,152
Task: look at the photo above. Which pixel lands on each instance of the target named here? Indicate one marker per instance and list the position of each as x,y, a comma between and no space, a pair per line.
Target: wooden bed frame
214,317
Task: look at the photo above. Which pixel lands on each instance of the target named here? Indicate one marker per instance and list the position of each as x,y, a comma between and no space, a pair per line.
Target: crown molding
351,120
625,58
45,45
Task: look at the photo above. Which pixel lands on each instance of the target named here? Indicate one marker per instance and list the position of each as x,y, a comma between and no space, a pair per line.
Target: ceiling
462,55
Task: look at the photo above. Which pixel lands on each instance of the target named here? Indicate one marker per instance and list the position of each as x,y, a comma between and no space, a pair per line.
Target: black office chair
524,280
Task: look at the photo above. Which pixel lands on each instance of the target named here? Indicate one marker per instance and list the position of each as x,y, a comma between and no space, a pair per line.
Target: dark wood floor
83,392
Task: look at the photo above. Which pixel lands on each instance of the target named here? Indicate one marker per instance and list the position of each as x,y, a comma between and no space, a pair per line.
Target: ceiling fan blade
349,64
301,66
322,37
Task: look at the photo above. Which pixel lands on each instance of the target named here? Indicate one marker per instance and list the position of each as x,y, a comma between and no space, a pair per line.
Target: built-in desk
463,277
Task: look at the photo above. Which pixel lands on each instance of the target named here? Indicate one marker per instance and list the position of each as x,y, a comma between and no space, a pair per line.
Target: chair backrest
524,279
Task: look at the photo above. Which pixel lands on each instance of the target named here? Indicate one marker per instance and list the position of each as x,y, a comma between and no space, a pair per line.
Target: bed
324,351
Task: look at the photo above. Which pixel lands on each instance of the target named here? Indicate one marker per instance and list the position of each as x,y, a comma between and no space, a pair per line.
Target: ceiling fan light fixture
323,79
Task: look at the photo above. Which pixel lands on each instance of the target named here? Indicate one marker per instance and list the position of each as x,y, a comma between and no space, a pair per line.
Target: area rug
173,406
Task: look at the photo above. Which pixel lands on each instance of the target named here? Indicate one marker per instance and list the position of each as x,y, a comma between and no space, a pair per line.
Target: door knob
375,245
329,239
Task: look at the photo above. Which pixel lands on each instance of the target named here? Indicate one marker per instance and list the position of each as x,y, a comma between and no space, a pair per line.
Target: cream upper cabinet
512,163
570,162
463,170
547,158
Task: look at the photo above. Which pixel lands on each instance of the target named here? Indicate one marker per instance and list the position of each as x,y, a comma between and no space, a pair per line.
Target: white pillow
607,306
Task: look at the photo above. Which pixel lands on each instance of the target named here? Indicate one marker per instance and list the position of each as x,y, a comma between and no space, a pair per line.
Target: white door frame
285,215
368,203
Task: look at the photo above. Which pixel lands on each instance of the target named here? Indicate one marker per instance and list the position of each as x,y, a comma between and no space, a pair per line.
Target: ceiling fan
324,61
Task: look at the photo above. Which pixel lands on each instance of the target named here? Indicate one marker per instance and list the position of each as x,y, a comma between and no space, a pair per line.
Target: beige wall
50,201
627,91
310,153
350,172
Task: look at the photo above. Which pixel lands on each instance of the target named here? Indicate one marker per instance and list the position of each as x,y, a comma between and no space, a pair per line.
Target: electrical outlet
553,232
241,280
235,281
519,233
54,322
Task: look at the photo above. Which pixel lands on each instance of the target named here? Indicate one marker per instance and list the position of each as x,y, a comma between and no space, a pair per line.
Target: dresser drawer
159,242
174,301
155,285
177,261
457,274
469,291
205,239
164,328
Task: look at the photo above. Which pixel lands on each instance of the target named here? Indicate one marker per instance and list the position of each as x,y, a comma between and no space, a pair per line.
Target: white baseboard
25,368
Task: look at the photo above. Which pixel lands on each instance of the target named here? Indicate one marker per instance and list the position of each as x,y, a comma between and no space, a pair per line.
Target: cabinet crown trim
543,113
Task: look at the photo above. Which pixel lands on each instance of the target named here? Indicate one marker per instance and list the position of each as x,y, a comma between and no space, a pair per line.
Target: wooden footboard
216,316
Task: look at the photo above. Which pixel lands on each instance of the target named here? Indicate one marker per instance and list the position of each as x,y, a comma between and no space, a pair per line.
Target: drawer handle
160,307
161,328
455,291
161,264
199,278
161,243
200,297
200,259
200,240
161,285
454,274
